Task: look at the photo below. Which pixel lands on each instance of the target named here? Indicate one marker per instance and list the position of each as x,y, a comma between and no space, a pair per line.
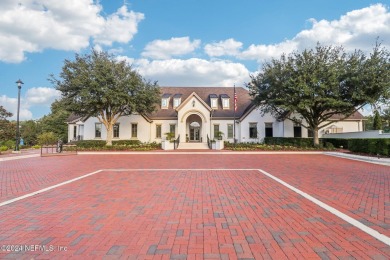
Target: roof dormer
225,101
213,101
165,101
176,100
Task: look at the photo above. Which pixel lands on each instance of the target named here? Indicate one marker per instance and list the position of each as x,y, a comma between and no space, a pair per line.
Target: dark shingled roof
205,93
73,118
354,116
244,103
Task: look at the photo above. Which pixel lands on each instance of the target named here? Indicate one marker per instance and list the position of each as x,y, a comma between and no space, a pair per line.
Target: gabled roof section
225,96
204,94
73,118
197,97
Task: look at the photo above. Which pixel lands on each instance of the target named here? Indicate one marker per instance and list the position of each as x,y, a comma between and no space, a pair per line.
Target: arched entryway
194,128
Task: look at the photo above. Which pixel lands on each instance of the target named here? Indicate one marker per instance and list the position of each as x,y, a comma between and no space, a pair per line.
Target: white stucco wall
347,126
193,106
165,128
143,129
256,117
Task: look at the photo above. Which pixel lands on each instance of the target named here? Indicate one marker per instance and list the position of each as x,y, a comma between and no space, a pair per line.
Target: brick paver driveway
194,206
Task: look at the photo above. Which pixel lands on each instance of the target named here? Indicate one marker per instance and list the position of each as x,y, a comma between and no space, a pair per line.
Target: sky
175,42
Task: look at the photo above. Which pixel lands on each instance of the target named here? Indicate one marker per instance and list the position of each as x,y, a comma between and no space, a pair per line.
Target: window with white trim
116,130
98,130
134,130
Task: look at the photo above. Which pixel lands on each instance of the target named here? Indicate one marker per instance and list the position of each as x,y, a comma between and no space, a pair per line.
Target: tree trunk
316,140
109,135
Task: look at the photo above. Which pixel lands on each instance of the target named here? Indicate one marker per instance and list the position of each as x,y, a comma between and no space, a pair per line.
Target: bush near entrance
117,145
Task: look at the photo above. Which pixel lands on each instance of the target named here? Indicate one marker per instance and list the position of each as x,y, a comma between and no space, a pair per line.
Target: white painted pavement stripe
47,189
18,157
381,237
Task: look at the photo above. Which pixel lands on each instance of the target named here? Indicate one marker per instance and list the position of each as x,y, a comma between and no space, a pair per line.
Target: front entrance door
194,134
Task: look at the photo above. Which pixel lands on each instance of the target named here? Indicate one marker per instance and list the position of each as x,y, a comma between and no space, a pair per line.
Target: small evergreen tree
377,125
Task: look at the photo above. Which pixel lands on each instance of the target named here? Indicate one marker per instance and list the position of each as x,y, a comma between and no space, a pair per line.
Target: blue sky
176,42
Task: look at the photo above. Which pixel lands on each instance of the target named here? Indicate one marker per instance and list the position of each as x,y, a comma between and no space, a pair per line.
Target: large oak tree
321,82
98,85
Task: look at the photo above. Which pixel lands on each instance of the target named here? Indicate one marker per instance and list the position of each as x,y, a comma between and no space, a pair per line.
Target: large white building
195,113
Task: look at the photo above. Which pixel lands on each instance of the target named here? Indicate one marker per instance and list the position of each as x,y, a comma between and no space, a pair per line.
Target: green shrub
47,138
126,142
337,142
271,147
10,144
289,141
375,146
91,143
3,148
117,145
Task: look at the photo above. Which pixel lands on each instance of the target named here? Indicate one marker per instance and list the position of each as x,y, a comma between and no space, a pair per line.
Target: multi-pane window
229,131
98,130
214,103
164,103
252,130
158,131
216,131
297,130
176,102
269,130
116,131
225,103
134,130
172,128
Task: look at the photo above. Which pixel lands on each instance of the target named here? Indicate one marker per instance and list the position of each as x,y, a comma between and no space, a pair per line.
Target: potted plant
219,135
168,143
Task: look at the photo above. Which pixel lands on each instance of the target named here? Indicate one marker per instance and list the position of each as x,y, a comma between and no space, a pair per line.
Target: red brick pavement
194,214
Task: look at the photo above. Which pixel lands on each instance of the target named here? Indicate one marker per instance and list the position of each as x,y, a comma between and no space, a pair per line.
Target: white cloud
165,49
120,27
41,96
357,29
264,52
229,47
11,105
35,25
193,72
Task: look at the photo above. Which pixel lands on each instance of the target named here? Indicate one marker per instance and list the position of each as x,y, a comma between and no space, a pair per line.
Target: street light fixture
19,82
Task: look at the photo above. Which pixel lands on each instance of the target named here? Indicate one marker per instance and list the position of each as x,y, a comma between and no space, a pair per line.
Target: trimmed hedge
102,143
337,142
380,146
117,145
289,141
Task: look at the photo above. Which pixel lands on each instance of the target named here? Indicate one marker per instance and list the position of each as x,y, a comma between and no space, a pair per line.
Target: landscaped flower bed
267,147
122,145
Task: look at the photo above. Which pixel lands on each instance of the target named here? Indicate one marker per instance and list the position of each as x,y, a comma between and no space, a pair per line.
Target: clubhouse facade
195,113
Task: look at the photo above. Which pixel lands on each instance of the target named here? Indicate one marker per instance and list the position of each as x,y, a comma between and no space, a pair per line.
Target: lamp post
19,82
